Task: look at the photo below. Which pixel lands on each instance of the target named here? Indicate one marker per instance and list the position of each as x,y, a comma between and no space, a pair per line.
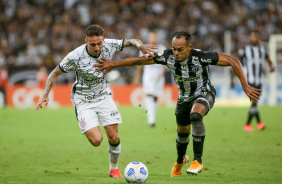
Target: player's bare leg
114,149
198,132
94,136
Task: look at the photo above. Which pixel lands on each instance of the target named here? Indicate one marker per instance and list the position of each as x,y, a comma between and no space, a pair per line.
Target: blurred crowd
36,33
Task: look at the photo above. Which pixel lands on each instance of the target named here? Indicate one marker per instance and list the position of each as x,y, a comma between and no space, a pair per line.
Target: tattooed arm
145,49
49,84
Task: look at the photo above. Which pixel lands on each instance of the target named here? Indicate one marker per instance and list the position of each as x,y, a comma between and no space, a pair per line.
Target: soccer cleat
195,168
176,169
248,128
261,125
115,173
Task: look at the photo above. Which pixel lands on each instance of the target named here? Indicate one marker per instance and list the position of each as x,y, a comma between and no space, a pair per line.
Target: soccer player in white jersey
91,93
153,81
253,56
196,97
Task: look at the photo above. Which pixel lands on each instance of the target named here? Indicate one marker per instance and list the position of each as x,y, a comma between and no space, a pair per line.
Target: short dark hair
256,32
185,34
94,30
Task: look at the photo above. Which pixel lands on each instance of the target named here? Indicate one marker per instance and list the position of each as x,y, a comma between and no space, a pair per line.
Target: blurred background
35,35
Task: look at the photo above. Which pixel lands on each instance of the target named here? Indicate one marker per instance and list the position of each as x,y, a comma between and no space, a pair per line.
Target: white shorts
89,114
153,85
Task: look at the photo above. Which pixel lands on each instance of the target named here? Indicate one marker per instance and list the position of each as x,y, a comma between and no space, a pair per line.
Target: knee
114,139
198,125
195,117
95,142
184,129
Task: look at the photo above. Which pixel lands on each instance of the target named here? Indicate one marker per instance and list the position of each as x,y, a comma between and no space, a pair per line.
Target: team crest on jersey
82,123
160,53
195,60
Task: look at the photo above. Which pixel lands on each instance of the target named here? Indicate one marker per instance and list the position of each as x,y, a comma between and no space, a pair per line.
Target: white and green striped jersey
90,85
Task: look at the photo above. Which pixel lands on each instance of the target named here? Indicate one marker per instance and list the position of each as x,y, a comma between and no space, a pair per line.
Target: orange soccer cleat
115,173
261,125
195,168
176,169
248,128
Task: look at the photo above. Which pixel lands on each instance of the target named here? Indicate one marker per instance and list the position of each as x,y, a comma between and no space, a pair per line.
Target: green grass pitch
46,146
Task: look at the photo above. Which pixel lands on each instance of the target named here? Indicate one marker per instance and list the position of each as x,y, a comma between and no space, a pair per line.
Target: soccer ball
136,172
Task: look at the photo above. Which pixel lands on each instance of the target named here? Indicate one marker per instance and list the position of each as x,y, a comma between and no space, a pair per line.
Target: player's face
180,48
94,45
254,38
153,38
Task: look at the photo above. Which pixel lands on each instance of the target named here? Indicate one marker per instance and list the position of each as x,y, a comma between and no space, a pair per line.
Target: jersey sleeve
207,58
161,57
67,64
116,45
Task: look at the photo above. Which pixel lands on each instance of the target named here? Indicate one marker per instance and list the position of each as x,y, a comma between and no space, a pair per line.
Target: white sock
151,107
114,155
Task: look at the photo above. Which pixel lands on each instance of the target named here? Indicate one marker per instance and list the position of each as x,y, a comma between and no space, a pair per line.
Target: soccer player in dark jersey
196,93
252,57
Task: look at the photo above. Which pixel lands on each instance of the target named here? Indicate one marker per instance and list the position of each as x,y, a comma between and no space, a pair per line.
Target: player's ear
86,40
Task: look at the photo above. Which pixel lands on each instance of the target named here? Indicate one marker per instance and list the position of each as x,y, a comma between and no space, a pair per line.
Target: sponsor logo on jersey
92,79
206,60
184,79
161,59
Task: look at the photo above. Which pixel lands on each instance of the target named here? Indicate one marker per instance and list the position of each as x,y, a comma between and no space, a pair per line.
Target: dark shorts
183,109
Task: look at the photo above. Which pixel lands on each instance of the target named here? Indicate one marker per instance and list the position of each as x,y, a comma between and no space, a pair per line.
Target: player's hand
148,49
42,102
252,93
105,64
271,69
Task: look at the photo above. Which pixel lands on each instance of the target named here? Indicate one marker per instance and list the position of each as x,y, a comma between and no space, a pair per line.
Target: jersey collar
90,54
190,57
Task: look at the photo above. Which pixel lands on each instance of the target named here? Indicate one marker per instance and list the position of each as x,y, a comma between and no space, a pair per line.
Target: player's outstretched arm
226,60
232,76
108,65
144,48
49,84
271,67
